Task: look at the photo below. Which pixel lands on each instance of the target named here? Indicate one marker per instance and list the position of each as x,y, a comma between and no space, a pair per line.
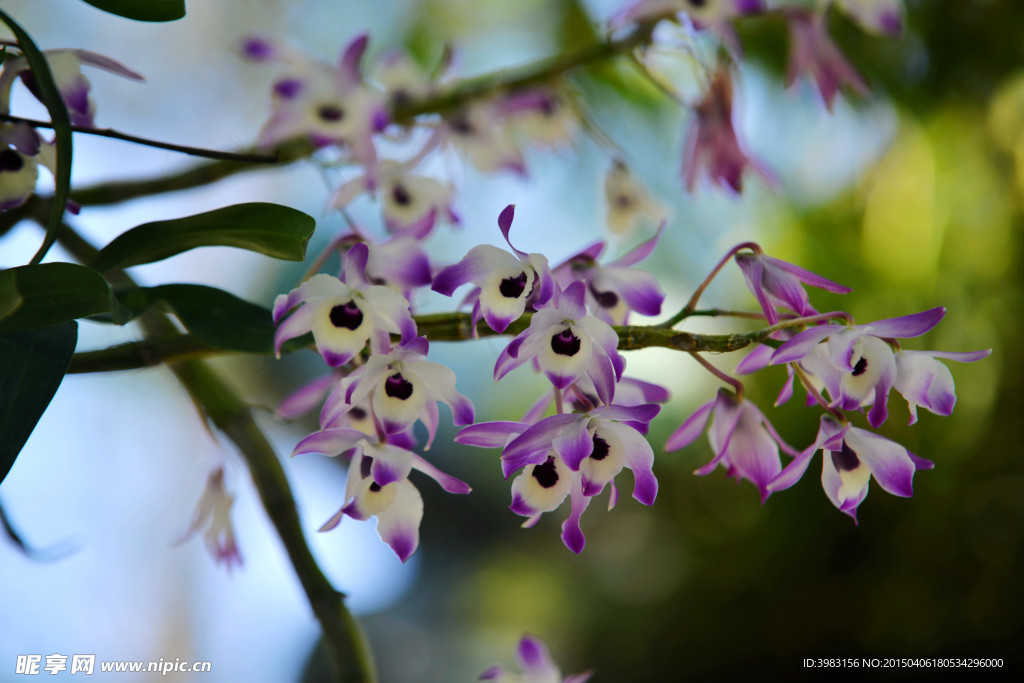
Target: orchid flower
66,69
858,367
742,440
343,316
615,289
581,396
327,104
411,204
778,284
628,202
505,283
925,382
378,484
813,52
711,143
479,132
850,458
536,665
214,512
567,344
403,387
543,116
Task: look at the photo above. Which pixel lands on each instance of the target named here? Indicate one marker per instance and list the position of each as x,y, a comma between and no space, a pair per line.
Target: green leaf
49,293
50,96
32,365
212,315
143,10
270,229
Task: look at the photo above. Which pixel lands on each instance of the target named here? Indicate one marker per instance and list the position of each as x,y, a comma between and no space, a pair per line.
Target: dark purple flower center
845,460
288,88
347,315
400,98
605,299
365,467
331,112
565,343
375,487
398,387
623,201
698,3
600,451
357,413
10,161
512,287
549,105
546,474
860,367
401,195
460,123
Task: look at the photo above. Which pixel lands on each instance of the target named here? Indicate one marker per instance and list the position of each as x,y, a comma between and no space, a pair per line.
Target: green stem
437,327
458,94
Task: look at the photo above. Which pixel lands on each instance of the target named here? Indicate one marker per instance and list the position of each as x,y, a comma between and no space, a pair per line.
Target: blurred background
913,198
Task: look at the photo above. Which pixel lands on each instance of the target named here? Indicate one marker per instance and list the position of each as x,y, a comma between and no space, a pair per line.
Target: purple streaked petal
330,441
602,373
803,343
505,224
509,359
538,438
572,534
286,302
298,323
107,64
641,413
793,471
573,442
888,461
752,268
639,252
572,301
490,434
306,398
908,325
447,481
385,472
921,463
880,410
334,521
474,266
757,359
638,288
691,428
961,356
417,229
786,392
534,656
639,458
399,524
348,64
354,265
430,419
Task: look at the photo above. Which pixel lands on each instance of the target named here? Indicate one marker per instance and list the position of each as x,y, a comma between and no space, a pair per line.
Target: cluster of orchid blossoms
22,148
536,666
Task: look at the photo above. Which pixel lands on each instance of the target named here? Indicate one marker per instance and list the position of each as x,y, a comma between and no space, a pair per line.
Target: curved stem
728,379
691,305
184,149
808,320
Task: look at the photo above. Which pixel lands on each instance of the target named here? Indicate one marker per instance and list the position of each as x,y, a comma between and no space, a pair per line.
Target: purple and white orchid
857,365
402,387
615,289
21,152
542,116
411,204
214,512
567,344
343,316
850,458
66,68
505,283
329,105
480,133
712,144
925,382
378,484
571,455
628,203
813,52
742,440
778,284
536,665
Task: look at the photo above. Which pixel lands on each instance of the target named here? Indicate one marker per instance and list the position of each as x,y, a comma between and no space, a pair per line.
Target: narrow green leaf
32,365
143,10
271,229
50,96
212,315
49,293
